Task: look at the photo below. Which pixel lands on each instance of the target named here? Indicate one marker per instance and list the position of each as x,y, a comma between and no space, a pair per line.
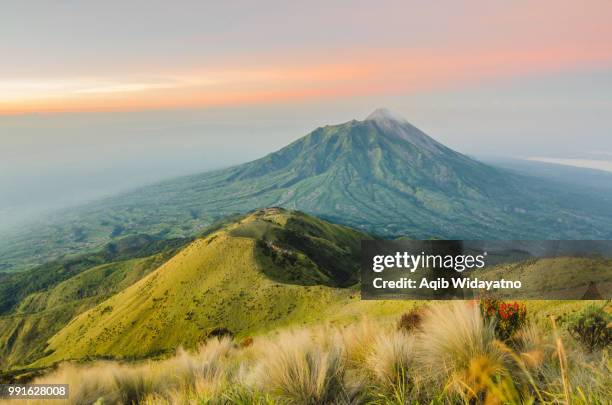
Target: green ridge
269,269
25,330
37,303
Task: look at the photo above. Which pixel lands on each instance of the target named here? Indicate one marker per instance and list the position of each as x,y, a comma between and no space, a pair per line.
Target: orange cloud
363,73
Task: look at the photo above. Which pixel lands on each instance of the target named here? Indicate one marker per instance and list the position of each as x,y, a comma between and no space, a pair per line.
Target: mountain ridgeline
137,297
248,275
269,268
380,175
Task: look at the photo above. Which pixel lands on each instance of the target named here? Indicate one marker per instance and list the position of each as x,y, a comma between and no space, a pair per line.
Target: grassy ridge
37,303
250,277
270,269
249,274
24,332
14,287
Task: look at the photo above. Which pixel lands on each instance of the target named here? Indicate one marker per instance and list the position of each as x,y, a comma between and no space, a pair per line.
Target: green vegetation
36,304
24,332
15,287
592,327
271,268
267,306
452,357
381,176
245,276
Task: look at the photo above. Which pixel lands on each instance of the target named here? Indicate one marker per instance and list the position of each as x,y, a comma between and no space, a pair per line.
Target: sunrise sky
148,90
99,56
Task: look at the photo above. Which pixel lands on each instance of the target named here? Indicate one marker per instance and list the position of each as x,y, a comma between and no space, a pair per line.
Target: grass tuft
454,357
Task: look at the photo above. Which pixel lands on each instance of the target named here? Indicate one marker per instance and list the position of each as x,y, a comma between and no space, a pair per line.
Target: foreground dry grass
452,357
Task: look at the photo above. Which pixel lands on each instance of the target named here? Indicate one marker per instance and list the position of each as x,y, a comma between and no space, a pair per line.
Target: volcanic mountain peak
394,124
384,114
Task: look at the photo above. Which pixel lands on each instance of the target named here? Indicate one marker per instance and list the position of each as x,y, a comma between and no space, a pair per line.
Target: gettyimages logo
412,262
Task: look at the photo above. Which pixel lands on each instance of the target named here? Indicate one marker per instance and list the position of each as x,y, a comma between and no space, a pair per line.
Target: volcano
381,175
385,176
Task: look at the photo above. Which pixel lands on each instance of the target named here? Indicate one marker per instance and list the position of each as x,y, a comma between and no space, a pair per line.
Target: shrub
356,340
451,340
409,321
507,317
591,328
203,373
133,384
533,346
298,371
391,359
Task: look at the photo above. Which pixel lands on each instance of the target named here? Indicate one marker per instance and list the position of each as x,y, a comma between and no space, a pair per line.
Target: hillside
16,286
248,275
269,269
381,175
37,303
555,278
